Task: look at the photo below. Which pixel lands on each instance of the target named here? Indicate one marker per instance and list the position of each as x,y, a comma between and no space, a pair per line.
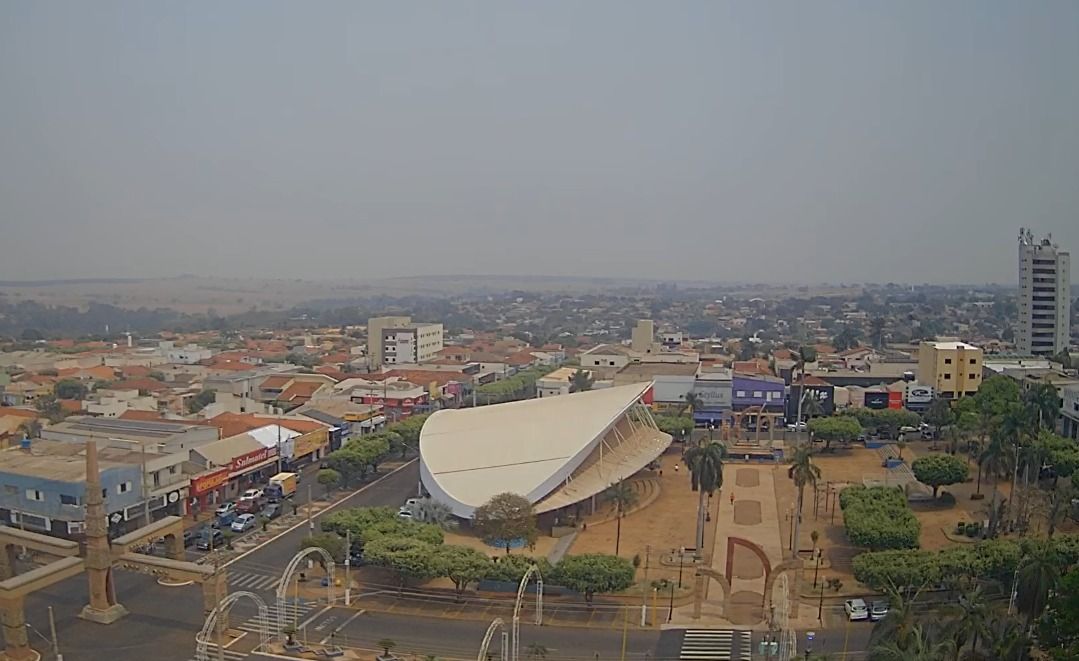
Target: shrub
879,518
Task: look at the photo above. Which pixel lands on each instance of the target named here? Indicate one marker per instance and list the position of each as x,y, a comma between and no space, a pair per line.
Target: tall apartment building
375,327
643,336
954,369
1044,296
410,344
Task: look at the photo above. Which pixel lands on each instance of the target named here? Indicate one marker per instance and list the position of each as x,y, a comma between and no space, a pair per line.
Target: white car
411,503
405,513
856,609
252,494
797,426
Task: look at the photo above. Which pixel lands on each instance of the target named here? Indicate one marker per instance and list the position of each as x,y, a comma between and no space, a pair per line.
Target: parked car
909,430
272,511
356,559
856,609
405,513
243,523
225,520
411,503
189,537
249,505
255,494
225,508
878,610
797,426
210,538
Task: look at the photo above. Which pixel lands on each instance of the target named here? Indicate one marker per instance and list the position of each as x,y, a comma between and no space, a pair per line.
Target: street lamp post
670,610
681,559
817,568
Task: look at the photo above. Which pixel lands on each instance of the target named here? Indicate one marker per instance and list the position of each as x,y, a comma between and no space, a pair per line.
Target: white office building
1044,296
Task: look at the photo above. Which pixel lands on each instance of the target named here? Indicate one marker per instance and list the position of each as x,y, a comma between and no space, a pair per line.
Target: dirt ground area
668,523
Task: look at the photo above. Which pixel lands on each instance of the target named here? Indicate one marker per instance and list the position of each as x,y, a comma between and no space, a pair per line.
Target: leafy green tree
581,381
409,431
678,426
938,470
592,573
890,421
433,512
49,407
504,518
200,401
993,459
70,389
349,463
462,565
622,497
328,541
512,568
876,330
843,429
898,624
693,403
879,518
1058,627
705,463
410,560
939,415
803,472
329,478
369,523
847,338
923,644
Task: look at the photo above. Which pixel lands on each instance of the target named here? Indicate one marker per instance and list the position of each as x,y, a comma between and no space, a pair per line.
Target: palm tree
805,354
705,463
812,408
922,644
1038,574
31,428
993,459
898,624
1044,405
804,473
970,620
581,381
1005,640
623,497
693,403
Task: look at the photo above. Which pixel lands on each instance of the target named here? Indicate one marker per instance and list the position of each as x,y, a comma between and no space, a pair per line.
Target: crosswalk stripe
714,644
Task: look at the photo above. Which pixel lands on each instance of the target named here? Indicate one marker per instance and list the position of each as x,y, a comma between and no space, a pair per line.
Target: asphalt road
461,638
163,620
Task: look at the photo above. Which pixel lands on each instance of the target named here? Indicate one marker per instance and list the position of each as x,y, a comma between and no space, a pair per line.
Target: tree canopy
879,518
938,470
590,573
843,429
504,518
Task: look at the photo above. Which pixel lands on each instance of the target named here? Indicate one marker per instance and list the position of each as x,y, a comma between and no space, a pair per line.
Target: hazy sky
792,141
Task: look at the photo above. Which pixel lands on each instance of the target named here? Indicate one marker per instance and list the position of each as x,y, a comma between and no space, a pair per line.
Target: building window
741,393
758,394
947,361
34,494
947,376
123,487
172,470
157,478
12,490
68,500
973,361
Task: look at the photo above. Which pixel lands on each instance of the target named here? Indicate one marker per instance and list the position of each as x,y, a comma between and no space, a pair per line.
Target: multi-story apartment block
375,328
1044,296
954,369
411,344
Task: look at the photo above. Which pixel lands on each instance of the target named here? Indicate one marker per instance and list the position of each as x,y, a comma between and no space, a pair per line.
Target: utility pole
348,565
644,589
55,642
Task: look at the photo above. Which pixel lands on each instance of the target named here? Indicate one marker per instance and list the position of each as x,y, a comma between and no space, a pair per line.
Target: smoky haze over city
764,142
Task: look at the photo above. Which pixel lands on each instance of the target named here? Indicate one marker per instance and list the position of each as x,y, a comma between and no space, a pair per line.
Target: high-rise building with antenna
1044,296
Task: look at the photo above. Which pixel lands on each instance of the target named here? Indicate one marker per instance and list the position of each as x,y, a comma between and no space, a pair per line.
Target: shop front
224,483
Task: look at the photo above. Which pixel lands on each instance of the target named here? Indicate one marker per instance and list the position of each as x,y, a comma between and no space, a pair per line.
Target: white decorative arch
496,624
286,578
202,639
533,570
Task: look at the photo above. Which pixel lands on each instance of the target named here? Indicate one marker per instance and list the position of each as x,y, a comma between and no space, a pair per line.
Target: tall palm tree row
705,463
804,473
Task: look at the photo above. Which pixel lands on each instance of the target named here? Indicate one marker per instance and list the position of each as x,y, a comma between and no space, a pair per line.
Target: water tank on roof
25,443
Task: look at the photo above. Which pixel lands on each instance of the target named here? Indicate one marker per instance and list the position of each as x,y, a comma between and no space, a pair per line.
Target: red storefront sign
209,481
238,464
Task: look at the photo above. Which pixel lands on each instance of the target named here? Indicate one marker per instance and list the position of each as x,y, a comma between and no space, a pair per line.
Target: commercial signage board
244,461
209,481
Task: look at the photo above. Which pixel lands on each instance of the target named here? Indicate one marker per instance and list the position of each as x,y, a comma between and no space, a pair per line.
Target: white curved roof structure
555,451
